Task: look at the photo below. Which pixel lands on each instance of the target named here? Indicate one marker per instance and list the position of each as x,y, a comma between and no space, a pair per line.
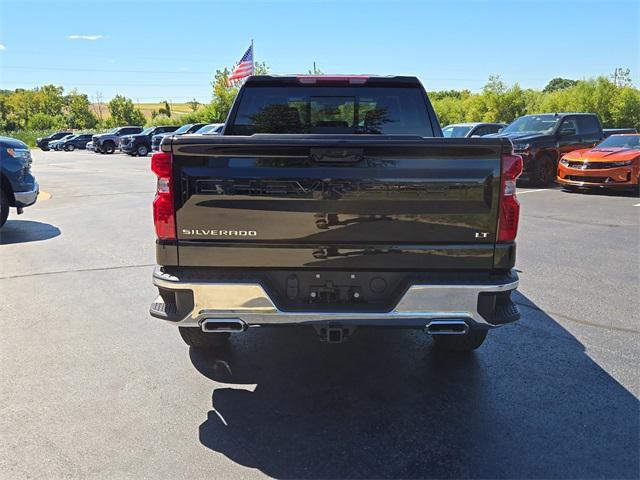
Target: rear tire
194,337
544,171
142,151
460,343
4,208
109,147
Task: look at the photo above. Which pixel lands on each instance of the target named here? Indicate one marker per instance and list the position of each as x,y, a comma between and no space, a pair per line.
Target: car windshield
113,130
67,137
183,128
207,129
455,131
147,131
621,141
533,123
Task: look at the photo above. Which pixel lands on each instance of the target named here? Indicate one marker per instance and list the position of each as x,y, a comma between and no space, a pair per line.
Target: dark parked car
43,142
183,130
77,141
472,129
109,141
18,186
140,144
541,140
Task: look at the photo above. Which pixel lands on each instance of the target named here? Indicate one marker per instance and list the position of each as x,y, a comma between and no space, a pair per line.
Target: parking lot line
535,190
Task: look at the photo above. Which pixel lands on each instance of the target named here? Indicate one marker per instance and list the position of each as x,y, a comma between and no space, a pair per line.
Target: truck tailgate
324,201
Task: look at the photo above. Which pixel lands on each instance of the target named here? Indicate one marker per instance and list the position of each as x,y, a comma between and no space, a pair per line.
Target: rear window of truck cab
332,110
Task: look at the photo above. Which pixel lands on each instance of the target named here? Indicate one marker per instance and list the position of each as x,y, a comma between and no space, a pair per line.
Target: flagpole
253,59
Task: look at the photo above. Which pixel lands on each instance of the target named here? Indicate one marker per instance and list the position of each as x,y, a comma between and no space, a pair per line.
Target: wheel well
5,186
548,153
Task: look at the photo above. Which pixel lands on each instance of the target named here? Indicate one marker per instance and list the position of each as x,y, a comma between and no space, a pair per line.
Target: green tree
194,104
78,112
625,108
23,104
161,120
558,83
123,112
6,123
43,121
165,110
224,95
50,99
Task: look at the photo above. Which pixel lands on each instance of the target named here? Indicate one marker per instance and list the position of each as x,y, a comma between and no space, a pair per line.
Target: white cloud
85,37
2,47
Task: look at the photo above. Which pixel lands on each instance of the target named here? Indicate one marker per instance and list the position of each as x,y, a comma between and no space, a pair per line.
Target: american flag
244,68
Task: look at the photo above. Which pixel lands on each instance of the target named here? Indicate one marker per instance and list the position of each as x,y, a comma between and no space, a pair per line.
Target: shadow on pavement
22,231
528,404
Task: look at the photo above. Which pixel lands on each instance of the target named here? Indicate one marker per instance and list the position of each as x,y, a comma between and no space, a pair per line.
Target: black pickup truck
140,143
335,203
541,140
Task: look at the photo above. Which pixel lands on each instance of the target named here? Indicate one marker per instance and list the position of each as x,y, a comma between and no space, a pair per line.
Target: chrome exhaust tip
220,325
447,327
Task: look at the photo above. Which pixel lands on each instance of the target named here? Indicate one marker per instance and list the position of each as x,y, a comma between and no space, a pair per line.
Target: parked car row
542,140
133,140
71,142
140,144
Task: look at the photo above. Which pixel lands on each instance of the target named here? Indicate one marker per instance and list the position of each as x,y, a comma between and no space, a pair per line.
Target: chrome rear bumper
251,304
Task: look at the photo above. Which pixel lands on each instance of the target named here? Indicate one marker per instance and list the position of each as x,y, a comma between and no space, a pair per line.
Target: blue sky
153,50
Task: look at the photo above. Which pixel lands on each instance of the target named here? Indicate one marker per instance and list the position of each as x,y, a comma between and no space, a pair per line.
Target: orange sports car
614,162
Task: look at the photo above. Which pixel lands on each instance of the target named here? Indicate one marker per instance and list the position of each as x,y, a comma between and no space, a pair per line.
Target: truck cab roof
332,79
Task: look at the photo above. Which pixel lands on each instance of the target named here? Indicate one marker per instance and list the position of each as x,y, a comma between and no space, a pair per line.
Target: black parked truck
184,129
140,143
335,203
541,139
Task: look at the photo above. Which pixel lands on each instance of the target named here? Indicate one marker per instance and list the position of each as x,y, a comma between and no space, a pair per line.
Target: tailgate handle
336,155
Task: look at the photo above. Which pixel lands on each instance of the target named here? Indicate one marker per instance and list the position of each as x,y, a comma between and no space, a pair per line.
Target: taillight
509,205
164,217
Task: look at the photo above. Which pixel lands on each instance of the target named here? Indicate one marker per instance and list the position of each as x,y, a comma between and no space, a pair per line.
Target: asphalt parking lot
92,386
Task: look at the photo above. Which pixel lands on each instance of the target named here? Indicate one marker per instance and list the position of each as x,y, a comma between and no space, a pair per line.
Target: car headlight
564,161
23,154
622,164
521,147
